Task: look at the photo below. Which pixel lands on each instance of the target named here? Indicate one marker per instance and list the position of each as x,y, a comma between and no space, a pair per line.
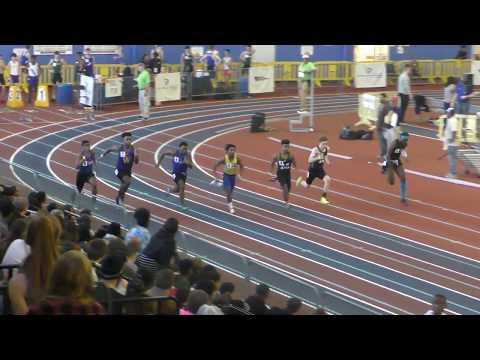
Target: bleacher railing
216,251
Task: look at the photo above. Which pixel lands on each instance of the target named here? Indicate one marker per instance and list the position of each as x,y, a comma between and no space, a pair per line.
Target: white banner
370,75
113,87
476,72
261,79
167,87
103,49
86,95
50,49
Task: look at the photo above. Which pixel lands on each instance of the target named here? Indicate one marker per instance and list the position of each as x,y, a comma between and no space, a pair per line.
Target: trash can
64,94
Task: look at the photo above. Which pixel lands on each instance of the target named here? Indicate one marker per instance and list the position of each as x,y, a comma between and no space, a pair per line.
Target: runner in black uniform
284,162
85,163
318,157
394,164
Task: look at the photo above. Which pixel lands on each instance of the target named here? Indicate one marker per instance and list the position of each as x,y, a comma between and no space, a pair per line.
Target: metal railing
243,262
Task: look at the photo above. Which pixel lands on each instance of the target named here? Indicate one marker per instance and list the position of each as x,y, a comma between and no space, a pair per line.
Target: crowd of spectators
65,266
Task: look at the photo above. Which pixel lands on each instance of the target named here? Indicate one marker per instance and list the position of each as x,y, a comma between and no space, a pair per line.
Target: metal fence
242,262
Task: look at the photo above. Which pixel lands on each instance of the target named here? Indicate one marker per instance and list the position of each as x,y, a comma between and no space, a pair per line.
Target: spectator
56,64
113,231
164,281
111,285
15,249
155,64
450,136
31,283
463,98
96,250
6,211
462,53
384,109
140,231
161,252
14,69
209,310
187,60
196,299
182,297
9,191
117,247
33,71
133,249
449,92
84,229
185,268
38,202
101,232
293,306
306,74
142,289
227,67
21,209
257,302
89,62
225,297
70,291
246,59
143,83
439,304
209,287
404,91
197,268
159,50
210,61
2,78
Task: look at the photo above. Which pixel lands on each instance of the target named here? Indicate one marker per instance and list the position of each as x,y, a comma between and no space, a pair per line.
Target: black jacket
161,248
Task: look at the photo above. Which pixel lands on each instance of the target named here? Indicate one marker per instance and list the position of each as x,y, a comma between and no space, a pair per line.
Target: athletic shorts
121,173
179,176
57,78
394,164
83,178
2,79
315,173
284,179
32,80
14,79
229,182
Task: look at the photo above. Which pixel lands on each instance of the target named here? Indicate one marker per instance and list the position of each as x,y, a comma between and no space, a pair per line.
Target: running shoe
404,201
169,191
232,211
324,201
299,181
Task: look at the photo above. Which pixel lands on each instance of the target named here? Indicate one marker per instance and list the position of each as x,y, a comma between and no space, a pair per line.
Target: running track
379,268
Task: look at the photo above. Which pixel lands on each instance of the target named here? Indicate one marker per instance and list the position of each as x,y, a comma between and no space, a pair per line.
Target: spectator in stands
462,53
14,250
140,231
38,202
113,231
196,299
143,83
210,273
161,252
111,285
207,309
246,59
439,304
164,280
21,209
96,250
155,64
2,78
449,93
257,302
209,287
70,291
6,211
306,74
89,62
404,91
101,232
31,283
133,249
293,306
187,60
210,61
14,69
227,67
225,297
197,268
84,229
56,63
79,67
185,268
141,289
33,72
117,247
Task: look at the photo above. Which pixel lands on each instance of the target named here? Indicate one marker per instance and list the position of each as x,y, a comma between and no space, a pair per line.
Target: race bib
122,154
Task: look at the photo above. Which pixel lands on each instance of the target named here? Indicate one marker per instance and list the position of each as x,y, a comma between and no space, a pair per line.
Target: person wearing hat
394,164
111,285
449,144
306,71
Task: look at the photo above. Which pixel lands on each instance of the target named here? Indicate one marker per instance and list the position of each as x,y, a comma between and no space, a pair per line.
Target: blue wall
133,53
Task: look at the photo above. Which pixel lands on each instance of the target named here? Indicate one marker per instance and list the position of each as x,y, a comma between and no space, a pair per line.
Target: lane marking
309,149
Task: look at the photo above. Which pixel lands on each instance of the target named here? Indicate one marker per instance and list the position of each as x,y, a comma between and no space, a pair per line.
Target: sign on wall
50,49
167,87
261,79
475,70
306,49
370,75
104,49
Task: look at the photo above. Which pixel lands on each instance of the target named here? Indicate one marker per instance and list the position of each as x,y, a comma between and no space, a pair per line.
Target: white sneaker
451,176
232,211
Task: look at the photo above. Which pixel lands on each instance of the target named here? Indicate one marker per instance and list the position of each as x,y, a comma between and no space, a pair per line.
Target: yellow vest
231,166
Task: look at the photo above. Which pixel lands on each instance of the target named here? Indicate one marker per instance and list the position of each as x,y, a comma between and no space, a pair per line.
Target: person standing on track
284,162
85,166
306,74
143,83
394,164
232,167
14,69
404,91
316,161
33,72
126,157
181,160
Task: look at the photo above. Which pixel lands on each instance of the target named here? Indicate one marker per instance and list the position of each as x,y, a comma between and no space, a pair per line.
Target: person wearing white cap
305,73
